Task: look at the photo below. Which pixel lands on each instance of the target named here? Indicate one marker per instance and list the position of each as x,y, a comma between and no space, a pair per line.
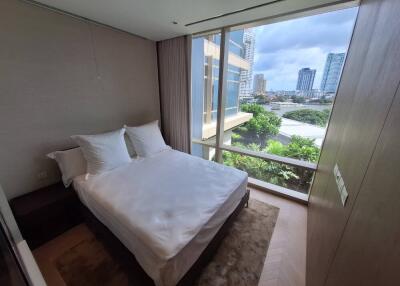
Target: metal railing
286,192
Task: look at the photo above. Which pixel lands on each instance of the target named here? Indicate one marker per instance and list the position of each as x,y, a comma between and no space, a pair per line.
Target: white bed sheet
164,209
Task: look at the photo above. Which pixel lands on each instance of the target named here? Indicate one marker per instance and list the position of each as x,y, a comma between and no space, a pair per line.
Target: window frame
222,86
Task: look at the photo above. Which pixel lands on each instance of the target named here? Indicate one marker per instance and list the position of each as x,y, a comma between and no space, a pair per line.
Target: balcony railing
283,191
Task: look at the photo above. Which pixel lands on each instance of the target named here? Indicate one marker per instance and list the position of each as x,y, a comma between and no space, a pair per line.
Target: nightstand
46,213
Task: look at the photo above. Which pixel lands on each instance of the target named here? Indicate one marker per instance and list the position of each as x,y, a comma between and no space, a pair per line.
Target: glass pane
281,83
10,273
205,71
203,151
283,175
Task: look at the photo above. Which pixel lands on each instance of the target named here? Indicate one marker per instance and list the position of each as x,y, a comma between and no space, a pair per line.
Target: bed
165,209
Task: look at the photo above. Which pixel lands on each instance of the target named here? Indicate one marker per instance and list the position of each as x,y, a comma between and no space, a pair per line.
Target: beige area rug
239,260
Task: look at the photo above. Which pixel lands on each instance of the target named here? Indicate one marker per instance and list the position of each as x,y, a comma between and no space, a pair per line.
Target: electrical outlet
42,175
340,185
335,171
343,195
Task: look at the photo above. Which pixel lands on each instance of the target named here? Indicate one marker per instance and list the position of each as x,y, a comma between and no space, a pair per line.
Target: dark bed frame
136,275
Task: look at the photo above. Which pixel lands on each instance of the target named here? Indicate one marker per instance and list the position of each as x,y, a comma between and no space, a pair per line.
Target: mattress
165,209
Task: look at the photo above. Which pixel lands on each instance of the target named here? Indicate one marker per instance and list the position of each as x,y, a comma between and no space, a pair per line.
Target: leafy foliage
272,172
262,99
255,109
302,148
314,117
276,173
281,98
323,100
236,136
263,123
253,136
326,100
298,99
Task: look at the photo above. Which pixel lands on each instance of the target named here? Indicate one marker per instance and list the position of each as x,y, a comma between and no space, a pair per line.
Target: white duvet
165,208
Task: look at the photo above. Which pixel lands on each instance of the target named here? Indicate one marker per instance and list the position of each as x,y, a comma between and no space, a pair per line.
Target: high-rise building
332,70
260,84
246,75
305,81
205,73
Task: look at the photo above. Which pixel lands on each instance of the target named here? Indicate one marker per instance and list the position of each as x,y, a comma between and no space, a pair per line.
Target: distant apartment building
305,80
246,75
333,68
205,77
260,84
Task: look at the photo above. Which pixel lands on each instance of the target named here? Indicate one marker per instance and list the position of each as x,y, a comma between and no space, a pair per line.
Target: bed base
136,275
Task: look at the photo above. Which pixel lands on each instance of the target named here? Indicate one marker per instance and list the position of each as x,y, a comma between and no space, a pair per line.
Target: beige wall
61,76
357,244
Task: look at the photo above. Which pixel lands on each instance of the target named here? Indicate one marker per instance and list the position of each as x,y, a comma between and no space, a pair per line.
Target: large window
262,96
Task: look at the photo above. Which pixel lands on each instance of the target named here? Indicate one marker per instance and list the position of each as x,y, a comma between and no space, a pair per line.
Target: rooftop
291,127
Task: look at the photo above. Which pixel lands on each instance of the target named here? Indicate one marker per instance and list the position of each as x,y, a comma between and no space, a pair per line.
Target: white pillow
71,163
103,152
129,146
146,139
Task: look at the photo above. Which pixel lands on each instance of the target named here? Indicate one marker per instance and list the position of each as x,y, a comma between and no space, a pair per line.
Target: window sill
279,191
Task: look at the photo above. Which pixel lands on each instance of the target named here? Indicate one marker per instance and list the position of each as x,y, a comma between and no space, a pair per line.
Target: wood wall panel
321,239
368,85
369,253
341,111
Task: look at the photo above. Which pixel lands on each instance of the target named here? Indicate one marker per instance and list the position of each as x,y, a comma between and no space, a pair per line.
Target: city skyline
284,48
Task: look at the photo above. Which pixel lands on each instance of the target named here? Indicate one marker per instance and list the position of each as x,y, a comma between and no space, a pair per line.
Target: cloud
285,47
281,69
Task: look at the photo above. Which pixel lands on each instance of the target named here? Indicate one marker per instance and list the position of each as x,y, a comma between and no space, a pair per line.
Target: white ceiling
152,19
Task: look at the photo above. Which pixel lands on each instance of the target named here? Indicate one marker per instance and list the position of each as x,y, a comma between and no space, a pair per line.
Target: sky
283,48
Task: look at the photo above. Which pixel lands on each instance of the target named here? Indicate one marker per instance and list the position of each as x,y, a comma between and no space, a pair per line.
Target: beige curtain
174,77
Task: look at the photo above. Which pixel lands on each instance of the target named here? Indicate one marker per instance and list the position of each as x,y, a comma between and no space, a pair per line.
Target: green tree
277,173
262,99
253,108
310,116
264,123
323,100
298,148
298,99
272,172
275,147
302,148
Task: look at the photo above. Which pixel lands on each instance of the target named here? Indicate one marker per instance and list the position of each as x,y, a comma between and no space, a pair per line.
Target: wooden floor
285,264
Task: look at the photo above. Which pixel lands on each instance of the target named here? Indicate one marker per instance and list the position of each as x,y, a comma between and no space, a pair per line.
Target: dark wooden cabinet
46,213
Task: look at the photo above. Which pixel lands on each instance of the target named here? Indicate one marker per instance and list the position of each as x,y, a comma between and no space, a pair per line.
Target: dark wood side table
46,213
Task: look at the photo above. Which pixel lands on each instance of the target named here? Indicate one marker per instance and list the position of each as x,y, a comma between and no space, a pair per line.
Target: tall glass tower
332,70
305,81
246,75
